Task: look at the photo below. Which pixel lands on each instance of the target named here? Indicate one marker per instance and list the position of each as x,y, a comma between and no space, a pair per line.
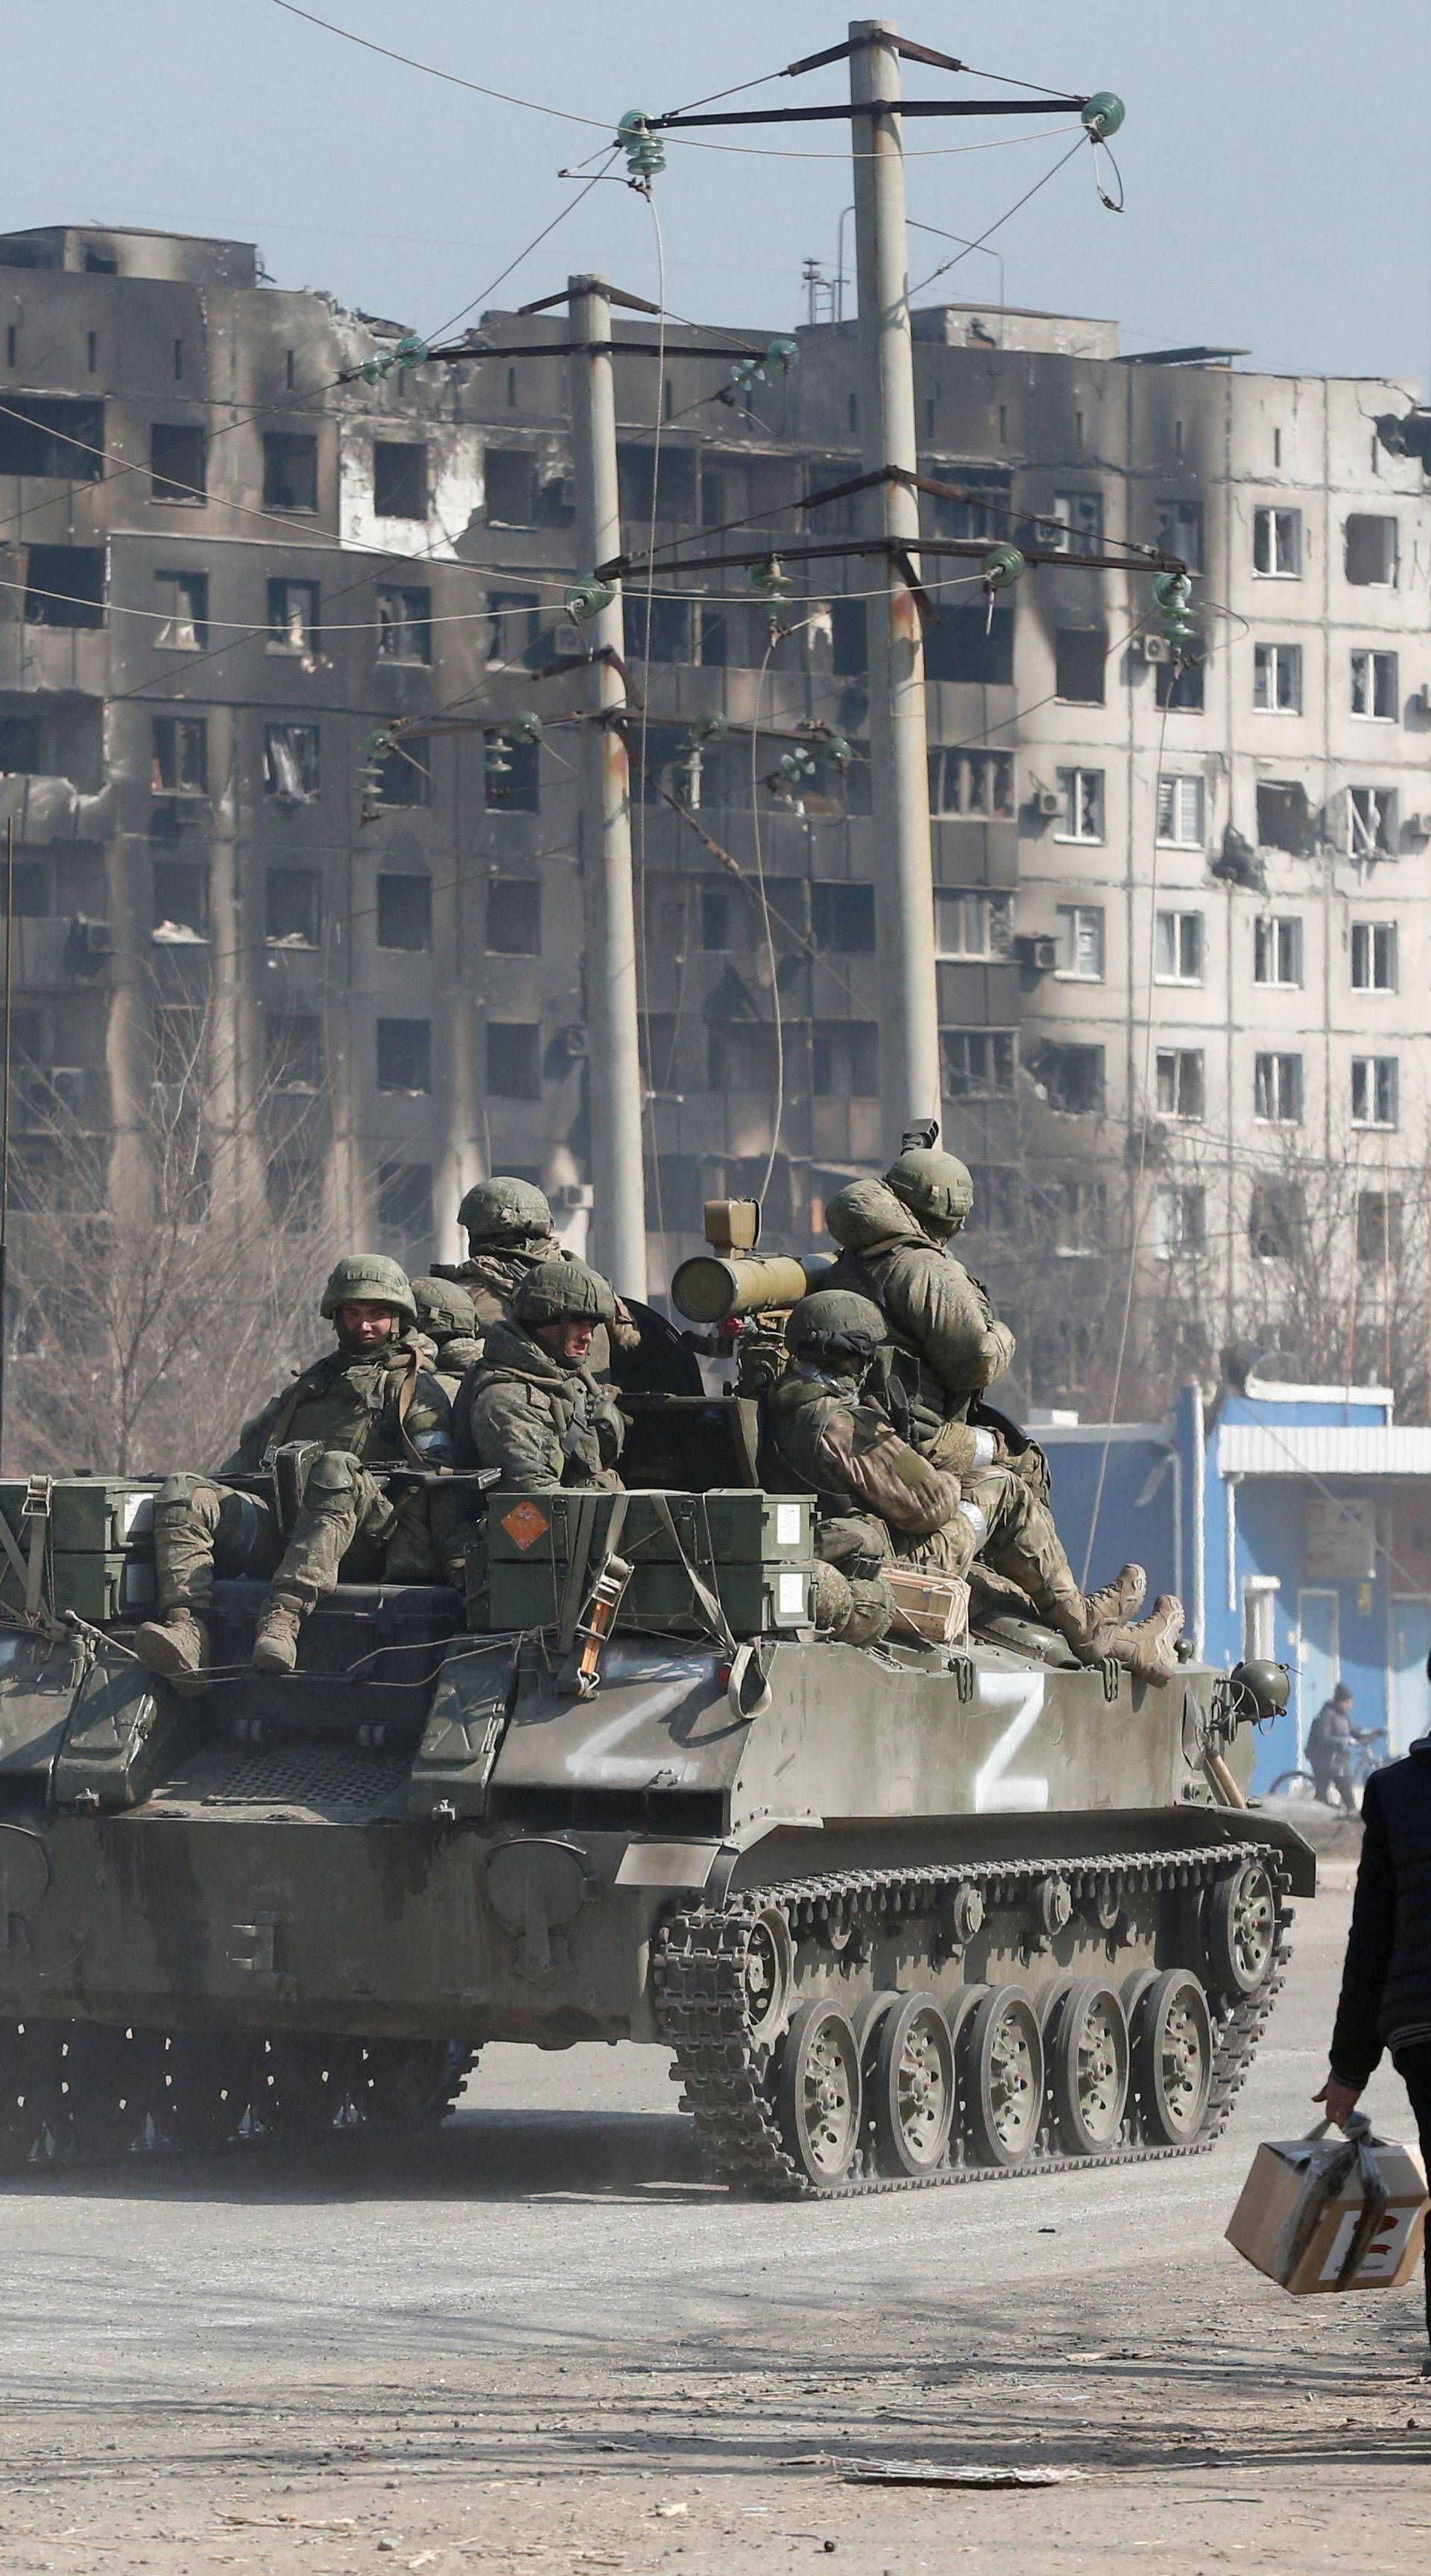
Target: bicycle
1367,1756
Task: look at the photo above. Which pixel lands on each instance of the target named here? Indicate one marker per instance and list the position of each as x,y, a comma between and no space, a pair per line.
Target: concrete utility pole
909,1040
618,1226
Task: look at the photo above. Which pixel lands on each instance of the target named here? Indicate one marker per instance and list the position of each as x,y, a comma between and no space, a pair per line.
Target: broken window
1277,949
1179,686
980,509
290,471
1276,1220
1080,796
510,486
177,461
675,1194
1071,1077
970,926
1080,942
1080,664
405,625
1178,531
1285,820
60,440
514,1060
293,610
1373,957
844,1058
511,775
20,754
64,586
1371,821
515,616
293,1188
658,630
842,919
741,1055
1277,1088
405,1203
978,1063
1378,1227
1374,1088
183,625
179,764
1076,526
404,912
514,917
1070,1215
1181,1090
1375,689
293,1046
31,889
980,783
961,646
404,1053
1179,1219
1181,803
1277,681
403,777
181,901
1277,543
290,762
399,479
671,497
1371,551
293,907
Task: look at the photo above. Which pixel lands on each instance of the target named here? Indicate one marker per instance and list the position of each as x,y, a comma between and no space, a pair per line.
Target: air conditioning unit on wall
1046,802
1154,648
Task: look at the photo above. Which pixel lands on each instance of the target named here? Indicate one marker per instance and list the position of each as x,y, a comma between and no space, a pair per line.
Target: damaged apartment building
1171,913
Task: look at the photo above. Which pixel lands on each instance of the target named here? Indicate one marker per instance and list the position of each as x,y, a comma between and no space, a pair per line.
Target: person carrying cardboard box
1386,1980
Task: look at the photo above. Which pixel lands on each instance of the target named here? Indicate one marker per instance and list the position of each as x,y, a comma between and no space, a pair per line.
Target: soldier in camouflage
447,1320
509,1230
373,1401
883,1499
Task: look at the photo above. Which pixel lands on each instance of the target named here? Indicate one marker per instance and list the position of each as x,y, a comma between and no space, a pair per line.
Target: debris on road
930,2473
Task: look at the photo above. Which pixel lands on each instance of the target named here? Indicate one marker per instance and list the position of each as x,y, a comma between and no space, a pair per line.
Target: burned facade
1176,952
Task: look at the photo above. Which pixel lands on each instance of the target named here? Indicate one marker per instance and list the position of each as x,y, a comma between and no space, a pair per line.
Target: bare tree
162,1276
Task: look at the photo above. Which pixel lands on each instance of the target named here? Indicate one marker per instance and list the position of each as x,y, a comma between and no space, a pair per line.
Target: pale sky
1274,156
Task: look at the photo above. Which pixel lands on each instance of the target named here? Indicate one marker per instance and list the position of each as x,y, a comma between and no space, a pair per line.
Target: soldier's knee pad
183,1502
333,1483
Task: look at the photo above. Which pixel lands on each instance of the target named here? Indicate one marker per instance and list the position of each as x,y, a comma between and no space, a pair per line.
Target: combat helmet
444,1306
503,1211
368,1279
834,1321
933,1185
554,1292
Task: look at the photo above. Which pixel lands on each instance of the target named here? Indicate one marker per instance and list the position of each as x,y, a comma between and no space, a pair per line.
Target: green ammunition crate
98,1587
733,1525
89,1515
756,1599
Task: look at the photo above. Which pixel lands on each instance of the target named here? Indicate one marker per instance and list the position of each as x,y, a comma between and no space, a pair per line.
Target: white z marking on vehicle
996,1788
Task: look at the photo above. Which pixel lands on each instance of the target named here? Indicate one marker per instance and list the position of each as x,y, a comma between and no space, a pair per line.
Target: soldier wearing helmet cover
509,1230
884,1498
446,1318
946,1342
373,1400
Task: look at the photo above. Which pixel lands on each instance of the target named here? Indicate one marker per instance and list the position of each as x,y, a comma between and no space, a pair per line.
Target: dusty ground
541,2340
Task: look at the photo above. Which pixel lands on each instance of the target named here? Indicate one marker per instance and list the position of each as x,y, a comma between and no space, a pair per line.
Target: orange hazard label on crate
526,1524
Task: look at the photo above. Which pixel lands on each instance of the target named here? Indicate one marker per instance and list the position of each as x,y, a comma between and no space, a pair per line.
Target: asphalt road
527,2336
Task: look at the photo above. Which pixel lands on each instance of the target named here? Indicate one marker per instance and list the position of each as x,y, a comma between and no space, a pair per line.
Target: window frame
1378,662
1187,930
1076,921
995,918
1074,784
1002,1045
1276,926
1378,1079
1173,1108
1372,939
1175,781
1271,659
1266,518
1270,1108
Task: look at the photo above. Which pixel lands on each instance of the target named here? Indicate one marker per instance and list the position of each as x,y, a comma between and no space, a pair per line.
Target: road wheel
1240,1929
911,2094
819,2094
1086,2044
1002,2077
1172,2058
769,1975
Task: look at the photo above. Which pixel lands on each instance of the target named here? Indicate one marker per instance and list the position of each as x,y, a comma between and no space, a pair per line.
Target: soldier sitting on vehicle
446,1319
832,1430
373,1401
509,1230
946,1342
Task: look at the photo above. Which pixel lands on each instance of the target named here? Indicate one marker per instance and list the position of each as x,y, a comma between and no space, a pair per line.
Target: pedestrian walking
1386,1980
1329,1749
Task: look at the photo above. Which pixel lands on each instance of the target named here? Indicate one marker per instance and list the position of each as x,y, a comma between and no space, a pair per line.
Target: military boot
174,1645
1119,1600
1149,1651
275,1639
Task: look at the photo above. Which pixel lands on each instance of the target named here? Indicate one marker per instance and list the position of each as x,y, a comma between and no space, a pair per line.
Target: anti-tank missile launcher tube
710,1288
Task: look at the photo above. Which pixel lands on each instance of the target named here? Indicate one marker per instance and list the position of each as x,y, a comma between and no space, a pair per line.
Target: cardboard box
1310,2218
932,1606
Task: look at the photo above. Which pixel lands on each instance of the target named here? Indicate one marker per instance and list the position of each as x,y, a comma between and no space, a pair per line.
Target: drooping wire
990,229
434,71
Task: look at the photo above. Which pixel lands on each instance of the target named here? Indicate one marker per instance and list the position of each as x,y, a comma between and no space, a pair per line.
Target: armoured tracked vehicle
905,1914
